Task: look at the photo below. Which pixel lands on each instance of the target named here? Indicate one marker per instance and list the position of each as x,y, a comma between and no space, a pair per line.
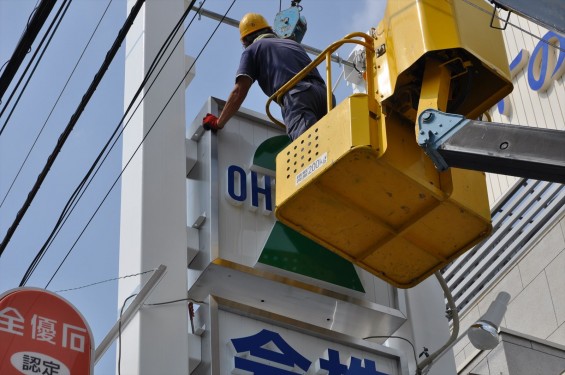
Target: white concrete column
153,206
430,328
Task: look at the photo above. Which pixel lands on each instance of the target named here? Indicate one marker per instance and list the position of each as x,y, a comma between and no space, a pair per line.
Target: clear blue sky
95,257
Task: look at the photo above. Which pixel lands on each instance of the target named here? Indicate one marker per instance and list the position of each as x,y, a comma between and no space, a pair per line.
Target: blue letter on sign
237,180
356,368
544,65
258,346
256,190
333,365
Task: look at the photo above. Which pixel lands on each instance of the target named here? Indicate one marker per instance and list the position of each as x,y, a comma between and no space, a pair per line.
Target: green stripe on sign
291,251
266,154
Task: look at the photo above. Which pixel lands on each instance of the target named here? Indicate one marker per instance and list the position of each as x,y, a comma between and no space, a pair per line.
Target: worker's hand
210,122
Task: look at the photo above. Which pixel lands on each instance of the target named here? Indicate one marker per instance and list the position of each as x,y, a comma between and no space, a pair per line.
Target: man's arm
236,98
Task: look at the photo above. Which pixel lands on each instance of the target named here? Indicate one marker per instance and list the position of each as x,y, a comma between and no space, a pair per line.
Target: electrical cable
35,23
54,105
83,185
67,210
48,35
425,366
396,337
56,20
173,301
103,281
74,119
560,48
120,333
139,146
2,67
31,15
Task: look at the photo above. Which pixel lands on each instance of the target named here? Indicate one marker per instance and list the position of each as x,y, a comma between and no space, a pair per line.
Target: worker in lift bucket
273,61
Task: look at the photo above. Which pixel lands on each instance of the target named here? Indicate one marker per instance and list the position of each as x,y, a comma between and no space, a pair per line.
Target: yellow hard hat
250,23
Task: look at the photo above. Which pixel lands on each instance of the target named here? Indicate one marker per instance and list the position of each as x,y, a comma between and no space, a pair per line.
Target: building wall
535,280
536,283
519,354
544,109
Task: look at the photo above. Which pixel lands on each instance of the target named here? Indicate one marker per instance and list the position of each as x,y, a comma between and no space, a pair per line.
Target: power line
40,14
132,102
396,337
2,67
48,34
139,146
74,119
54,105
235,23
560,48
101,158
175,301
104,281
120,333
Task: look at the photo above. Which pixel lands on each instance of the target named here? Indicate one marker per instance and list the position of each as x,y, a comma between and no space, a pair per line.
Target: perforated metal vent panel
301,155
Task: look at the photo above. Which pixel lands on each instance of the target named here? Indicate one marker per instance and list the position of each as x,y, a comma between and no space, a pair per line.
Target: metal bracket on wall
191,151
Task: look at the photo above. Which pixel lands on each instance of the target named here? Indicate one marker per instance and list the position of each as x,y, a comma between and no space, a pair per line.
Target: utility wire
74,119
120,333
103,281
139,146
560,48
31,15
2,67
122,129
175,301
62,219
54,105
101,158
48,34
40,14
37,50
396,337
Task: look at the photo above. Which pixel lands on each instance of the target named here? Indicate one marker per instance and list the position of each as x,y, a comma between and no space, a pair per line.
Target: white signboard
250,346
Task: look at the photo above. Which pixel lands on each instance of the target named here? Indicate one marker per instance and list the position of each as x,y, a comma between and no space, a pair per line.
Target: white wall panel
528,107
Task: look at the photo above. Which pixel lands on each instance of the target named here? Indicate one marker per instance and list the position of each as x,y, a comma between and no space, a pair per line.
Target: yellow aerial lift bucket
358,183
392,214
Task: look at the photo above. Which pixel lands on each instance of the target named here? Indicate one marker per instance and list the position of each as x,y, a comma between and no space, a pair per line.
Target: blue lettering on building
545,65
333,364
548,66
267,353
265,191
256,347
237,183
357,366
261,188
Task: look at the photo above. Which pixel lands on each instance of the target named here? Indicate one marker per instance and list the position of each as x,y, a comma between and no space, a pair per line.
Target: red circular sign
42,333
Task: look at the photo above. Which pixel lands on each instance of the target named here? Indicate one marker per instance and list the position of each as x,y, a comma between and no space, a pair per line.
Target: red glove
210,122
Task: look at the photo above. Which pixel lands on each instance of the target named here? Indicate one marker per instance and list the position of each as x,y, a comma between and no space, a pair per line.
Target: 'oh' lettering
238,183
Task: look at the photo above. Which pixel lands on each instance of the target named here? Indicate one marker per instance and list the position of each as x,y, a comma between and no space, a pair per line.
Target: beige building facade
526,254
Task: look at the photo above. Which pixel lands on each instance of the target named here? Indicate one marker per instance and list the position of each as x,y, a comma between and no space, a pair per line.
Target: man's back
274,61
